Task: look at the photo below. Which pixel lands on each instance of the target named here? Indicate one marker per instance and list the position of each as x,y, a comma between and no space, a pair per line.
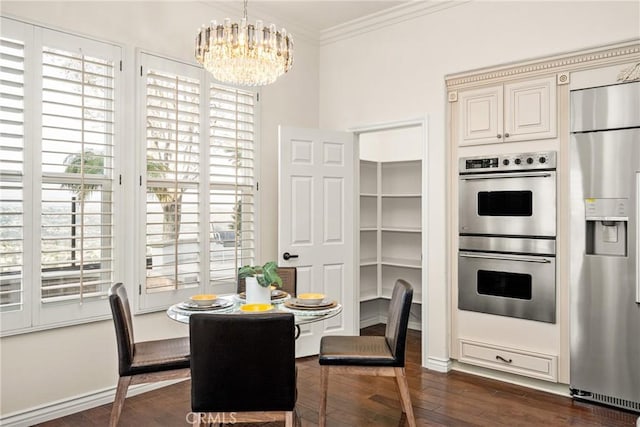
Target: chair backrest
124,326
398,319
289,277
242,362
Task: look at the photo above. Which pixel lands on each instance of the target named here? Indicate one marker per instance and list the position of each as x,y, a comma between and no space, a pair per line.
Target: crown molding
618,53
384,18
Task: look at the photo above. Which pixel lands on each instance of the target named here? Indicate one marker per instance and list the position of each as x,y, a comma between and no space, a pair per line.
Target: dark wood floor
453,399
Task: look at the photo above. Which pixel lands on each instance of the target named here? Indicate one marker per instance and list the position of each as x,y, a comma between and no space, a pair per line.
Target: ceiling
308,16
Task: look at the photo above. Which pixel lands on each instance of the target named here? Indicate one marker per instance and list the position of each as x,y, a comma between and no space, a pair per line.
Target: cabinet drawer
521,362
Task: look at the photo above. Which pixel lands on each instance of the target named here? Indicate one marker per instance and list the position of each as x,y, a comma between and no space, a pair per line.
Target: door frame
418,121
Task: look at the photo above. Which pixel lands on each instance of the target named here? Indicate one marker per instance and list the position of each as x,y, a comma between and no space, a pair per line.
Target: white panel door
316,223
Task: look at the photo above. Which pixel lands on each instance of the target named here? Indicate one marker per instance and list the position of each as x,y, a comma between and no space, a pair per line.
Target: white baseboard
62,408
416,326
365,323
439,365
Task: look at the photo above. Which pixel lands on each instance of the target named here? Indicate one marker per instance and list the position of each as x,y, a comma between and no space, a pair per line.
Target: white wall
45,367
392,145
397,72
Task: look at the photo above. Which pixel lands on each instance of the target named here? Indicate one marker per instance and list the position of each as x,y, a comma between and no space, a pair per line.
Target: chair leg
297,422
405,396
288,419
324,385
118,401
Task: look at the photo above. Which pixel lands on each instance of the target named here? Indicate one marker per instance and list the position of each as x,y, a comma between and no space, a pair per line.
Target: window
231,184
77,172
197,136
172,169
58,179
12,175
61,180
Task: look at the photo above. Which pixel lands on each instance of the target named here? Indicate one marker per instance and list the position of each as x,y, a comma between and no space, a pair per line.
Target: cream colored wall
293,102
391,145
42,368
397,72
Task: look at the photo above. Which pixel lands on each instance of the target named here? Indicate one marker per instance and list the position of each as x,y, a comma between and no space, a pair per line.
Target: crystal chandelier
244,54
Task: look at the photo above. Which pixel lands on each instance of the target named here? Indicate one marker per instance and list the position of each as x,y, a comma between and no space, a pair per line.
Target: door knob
287,256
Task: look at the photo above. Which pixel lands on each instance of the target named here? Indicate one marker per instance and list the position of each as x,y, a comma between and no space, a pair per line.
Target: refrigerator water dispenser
606,227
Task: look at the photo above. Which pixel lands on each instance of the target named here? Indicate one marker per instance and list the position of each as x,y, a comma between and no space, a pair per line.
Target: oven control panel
509,162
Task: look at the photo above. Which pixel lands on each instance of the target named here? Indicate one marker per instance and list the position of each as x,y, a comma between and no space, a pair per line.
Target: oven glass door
520,286
517,204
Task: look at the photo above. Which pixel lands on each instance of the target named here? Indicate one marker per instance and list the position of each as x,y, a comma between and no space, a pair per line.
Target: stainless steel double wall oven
507,232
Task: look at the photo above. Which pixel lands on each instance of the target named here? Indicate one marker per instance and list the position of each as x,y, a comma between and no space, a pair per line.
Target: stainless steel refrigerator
604,272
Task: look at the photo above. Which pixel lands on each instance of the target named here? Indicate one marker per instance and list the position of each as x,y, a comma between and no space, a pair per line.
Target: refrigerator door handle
637,225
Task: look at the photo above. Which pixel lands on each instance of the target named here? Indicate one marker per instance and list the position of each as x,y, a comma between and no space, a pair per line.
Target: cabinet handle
506,135
499,136
502,359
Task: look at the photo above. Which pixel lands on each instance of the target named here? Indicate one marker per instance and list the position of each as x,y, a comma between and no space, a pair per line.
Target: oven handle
543,174
503,257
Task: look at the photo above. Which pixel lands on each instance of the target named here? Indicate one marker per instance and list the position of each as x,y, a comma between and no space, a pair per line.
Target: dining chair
142,362
289,277
372,355
242,368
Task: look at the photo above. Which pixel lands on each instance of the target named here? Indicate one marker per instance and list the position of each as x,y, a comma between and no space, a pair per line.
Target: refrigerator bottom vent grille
614,401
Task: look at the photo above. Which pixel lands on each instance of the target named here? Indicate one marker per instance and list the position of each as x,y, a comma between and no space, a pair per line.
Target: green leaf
266,275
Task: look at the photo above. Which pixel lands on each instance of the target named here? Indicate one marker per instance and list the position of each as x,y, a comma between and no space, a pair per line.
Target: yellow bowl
204,299
255,308
311,298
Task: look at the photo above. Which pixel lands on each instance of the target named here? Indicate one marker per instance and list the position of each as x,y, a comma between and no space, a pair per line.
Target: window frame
127,201
37,315
145,302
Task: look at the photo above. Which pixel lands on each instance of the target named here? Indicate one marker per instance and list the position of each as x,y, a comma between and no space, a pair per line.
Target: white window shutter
171,100
14,297
232,183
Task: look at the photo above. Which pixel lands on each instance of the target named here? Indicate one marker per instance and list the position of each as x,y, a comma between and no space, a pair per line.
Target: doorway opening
392,206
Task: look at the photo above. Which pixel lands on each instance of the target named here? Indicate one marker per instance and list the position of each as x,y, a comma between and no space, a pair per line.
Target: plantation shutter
77,189
232,184
57,179
13,307
173,172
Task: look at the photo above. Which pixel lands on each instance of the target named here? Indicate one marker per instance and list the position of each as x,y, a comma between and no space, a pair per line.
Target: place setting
205,302
256,308
310,304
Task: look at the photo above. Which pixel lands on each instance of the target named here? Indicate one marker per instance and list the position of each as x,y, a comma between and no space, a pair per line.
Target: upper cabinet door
481,116
530,110
520,111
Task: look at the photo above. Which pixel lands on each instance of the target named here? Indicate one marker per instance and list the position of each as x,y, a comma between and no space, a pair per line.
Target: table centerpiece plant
258,280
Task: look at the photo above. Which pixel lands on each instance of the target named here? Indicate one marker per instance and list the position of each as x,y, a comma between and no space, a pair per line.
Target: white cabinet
516,361
390,227
519,111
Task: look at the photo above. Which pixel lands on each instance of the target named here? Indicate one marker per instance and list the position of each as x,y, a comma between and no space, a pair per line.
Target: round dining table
180,313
